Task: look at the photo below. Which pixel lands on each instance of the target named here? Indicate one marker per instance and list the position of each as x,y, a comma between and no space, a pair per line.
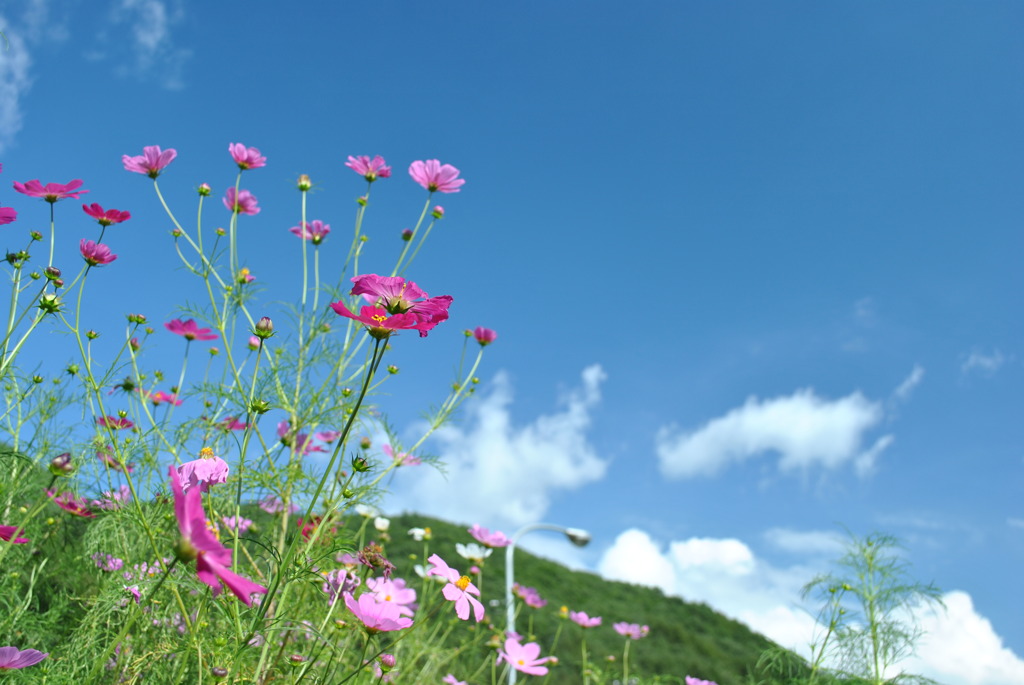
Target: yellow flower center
207,453
462,583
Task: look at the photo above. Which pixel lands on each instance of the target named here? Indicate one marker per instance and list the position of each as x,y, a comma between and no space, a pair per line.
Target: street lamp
577,536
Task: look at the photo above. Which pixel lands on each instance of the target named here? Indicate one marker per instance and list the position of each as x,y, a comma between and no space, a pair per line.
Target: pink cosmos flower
96,254
7,532
113,499
523,658
108,459
370,169
529,595
151,162
243,524
213,560
459,589
12,657
378,617
51,192
436,177
302,442
690,680
71,504
115,422
207,470
272,505
231,423
401,458
246,158
486,537
452,680
7,215
394,591
327,436
339,581
631,630
484,336
398,305
581,618
106,217
314,231
243,203
189,330
159,397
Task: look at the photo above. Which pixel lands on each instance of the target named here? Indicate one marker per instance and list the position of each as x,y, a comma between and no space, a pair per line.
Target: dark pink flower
378,617
96,254
377,322
459,589
7,532
487,538
370,169
302,442
151,162
207,470
159,397
246,157
400,458
484,336
12,657
7,215
231,423
690,680
314,231
408,305
213,560
243,203
106,217
71,504
116,422
189,330
633,631
436,177
580,618
530,596
523,658
51,192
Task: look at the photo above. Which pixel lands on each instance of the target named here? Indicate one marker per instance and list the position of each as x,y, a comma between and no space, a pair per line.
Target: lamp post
577,536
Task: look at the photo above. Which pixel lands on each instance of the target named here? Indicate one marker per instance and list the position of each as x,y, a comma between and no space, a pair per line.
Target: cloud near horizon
502,475
959,646
803,429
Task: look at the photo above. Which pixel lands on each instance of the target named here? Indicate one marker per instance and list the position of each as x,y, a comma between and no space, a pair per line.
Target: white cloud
1015,522
804,429
15,81
154,51
984,363
499,474
806,542
903,390
959,644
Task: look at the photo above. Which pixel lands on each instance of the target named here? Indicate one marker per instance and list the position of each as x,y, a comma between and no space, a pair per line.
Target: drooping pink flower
394,591
580,618
231,423
459,589
12,657
51,192
95,254
484,336
370,169
315,231
436,177
378,617
108,459
113,499
486,537
213,560
151,162
690,680
327,436
246,157
159,397
634,631
529,595
7,215
524,658
207,470
302,442
115,422
398,304
106,217
243,203
400,458
71,504
189,330
7,532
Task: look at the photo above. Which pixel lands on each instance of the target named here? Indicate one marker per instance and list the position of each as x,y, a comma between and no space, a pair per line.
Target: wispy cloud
987,364
15,82
803,429
154,53
499,474
904,389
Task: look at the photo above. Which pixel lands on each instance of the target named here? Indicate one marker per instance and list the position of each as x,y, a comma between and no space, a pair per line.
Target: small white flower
473,552
382,524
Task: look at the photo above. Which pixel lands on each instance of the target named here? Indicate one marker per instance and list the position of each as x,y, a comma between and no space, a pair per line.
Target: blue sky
751,264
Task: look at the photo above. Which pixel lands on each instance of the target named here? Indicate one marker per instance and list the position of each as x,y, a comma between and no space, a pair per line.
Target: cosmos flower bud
50,303
219,673
264,328
204,190
92,335
259,407
362,201
35,235
407,234
438,212
134,344
304,183
365,442
61,465
58,283
392,369
51,272
35,276
387,662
